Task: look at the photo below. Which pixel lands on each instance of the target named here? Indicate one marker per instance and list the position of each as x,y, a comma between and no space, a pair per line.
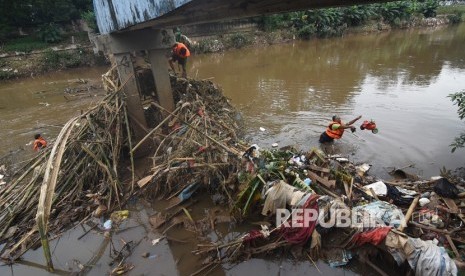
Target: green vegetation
459,99
333,21
238,40
455,13
451,9
89,17
58,60
36,13
24,44
50,33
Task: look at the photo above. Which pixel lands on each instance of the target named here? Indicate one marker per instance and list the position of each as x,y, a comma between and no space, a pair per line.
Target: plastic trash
274,145
445,189
262,129
362,169
342,160
425,195
107,225
307,181
379,188
423,201
188,191
120,215
156,241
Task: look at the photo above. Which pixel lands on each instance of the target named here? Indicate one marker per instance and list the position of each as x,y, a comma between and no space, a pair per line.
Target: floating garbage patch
306,204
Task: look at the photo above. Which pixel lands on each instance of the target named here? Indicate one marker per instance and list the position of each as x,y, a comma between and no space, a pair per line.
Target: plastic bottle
307,181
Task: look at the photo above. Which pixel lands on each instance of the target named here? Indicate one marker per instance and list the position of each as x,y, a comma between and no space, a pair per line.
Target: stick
409,214
199,131
314,264
452,245
85,233
155,129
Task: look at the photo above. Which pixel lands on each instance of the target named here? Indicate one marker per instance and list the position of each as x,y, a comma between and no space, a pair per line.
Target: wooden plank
452,245
409,214
453,207
318,168
314,177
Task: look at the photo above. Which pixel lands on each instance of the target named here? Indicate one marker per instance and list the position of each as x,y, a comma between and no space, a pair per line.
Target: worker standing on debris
180,37
179,54
336,128
39,142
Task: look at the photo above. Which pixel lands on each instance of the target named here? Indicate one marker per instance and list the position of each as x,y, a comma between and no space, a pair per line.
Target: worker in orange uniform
39,142
179,54
336,128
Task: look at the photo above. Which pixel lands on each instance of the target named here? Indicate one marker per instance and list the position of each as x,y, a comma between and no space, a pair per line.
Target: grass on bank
451,9
455,13
31,43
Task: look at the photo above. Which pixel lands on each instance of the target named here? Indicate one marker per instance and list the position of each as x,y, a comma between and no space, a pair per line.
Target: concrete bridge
127,26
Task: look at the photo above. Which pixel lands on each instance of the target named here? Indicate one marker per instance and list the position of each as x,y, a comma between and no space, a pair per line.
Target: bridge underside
123,15
129,26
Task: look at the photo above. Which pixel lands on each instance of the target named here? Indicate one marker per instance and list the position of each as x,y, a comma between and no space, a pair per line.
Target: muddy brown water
399,79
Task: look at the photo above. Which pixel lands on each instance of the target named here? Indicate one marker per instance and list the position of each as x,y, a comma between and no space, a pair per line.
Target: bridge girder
124,15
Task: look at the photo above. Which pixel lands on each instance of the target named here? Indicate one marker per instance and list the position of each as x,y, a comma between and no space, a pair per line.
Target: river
400,79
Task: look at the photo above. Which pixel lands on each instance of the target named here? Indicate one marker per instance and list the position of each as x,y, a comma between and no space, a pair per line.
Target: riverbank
21,62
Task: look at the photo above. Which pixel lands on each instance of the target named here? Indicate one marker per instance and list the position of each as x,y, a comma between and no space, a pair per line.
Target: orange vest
177,50
335,134
39,144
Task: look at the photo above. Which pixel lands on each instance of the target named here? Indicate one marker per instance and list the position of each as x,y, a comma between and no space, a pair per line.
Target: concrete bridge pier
156,43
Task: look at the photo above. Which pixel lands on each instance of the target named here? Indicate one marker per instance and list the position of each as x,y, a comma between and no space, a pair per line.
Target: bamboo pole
48,188
153,130
409,214
199,131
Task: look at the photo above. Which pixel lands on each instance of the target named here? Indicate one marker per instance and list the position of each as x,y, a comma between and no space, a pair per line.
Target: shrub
394,12
57,60
238,40
50,33
24,44
89,18
456,17
307,31
273,22
459,100
428,8
208,45
357,15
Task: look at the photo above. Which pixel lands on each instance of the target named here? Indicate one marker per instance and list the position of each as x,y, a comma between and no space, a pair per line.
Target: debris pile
313,205
197,144
343,212
76,176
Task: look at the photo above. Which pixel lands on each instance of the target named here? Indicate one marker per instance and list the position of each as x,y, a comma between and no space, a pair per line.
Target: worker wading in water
179,54
39,142
336,128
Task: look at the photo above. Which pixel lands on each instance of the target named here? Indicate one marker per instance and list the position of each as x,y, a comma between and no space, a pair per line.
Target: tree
459,99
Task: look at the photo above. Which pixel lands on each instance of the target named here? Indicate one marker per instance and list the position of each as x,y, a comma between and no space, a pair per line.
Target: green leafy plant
428,8
24,44
307,31
357,15
459,100
89,18
394,12
56,60
238,40
50,33
456,17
